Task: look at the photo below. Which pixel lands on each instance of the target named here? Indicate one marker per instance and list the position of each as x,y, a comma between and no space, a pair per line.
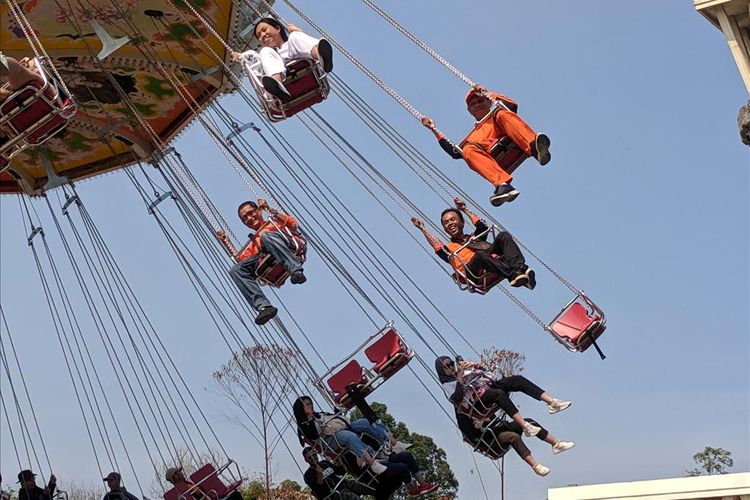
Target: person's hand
262,204
221,235
460,204
478,423
52,479
236,56
427,122
478,89
291,28
417,223
460,373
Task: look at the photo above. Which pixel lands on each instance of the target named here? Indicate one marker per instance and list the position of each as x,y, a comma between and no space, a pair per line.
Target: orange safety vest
464,255
282,222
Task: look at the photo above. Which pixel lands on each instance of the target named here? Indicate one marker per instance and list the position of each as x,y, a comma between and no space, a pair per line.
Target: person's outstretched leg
533,144
518,383
481,162
498,397
276,244
243,275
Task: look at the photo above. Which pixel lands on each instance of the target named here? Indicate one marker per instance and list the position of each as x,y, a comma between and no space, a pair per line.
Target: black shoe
297,277
265,315
276,88
532,279
540,149
503,193
519,280
325,55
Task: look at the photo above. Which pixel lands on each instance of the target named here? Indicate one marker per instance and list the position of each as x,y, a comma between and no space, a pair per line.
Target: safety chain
420,43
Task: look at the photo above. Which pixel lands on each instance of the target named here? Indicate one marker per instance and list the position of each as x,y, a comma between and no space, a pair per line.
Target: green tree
430,457
711,461
286,490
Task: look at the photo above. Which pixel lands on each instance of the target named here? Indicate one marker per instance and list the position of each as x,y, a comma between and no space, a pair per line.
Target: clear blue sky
644,205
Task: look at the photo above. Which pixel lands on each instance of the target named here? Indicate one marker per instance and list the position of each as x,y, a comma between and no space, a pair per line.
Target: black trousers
509,434
497,394
509,262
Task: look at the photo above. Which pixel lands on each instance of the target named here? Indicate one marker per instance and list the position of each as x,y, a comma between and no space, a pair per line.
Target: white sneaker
378,468
531,430
556,406
541,470
400,447
561,446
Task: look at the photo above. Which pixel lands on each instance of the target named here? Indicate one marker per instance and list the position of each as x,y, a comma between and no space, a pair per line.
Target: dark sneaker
503,193
520,280
297,277
540,149
532,279
325,55
276,88
265,315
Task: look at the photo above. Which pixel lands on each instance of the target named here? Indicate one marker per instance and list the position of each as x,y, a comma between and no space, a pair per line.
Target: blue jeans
243,272
349,438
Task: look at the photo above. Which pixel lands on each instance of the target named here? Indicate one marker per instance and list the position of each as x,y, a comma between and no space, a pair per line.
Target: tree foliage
286,490
430,457
711,461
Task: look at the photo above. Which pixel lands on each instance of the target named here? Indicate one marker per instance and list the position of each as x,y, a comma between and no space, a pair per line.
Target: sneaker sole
262,320
325,52
542,150
496,201
273,87
298,281
532,279
557,451
553,411
532,433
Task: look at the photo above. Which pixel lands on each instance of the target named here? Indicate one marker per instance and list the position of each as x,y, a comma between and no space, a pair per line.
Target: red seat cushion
35,109
209,482
176,492
574,323
350,374
300,81
270,270
385,349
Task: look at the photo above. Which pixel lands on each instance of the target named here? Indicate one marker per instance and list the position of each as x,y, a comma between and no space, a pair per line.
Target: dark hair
306,450
245,204
306,430
273,22
451,209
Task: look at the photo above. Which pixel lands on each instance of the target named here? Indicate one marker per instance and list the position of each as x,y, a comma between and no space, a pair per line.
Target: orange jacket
275,223
486,132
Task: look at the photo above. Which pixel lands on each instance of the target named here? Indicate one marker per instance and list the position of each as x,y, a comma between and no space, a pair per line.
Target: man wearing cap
487,130
30,491
116,490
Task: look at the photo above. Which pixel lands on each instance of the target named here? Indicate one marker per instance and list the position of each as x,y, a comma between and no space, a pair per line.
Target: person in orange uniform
267,239
502,256
504,122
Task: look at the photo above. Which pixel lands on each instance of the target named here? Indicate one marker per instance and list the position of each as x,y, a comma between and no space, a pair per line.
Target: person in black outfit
30,491
501,257
326,480
116,490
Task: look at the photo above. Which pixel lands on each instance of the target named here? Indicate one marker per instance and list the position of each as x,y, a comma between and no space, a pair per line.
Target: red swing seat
179,492
481,283
389,353
208,480
269,271
33,114
306,83
351,373
579,324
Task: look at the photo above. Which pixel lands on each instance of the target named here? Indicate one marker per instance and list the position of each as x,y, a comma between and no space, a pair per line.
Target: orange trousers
485,134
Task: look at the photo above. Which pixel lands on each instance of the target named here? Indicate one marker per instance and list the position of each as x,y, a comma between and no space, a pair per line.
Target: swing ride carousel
120,81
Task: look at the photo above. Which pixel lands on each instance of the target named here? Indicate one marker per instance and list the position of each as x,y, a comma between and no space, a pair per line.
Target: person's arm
224,239
450,148
279,217
434,242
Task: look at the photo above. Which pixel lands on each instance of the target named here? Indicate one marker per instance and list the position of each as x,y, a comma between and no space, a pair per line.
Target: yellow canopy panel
165,43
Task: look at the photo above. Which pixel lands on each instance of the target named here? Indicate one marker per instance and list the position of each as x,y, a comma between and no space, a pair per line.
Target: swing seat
507,154
33,114
480,284
389,353
179,492
270,272
487,451
579,324
305,81
351,373
207,479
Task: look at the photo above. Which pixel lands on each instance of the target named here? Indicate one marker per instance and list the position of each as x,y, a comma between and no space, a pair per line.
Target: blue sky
644,206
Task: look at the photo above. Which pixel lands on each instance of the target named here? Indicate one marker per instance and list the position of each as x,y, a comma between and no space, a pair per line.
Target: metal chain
395,95
420,43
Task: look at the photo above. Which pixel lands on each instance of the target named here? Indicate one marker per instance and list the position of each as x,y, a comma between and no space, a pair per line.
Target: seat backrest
305,84
178,492
574,322
351,373
208,481
385,347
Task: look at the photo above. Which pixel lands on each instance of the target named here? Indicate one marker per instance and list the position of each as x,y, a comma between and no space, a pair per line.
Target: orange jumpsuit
485,133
